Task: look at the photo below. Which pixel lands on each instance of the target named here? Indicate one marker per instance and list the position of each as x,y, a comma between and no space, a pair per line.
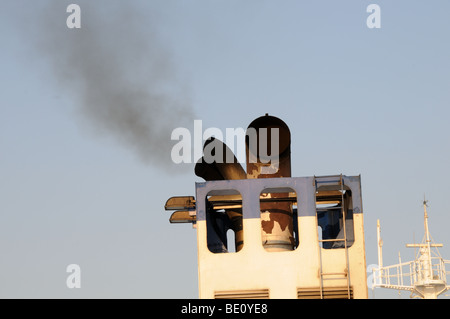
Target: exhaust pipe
210,169
268,135
268,155
226,167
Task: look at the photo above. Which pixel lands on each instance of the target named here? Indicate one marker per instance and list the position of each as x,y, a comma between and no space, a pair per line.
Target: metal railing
404,276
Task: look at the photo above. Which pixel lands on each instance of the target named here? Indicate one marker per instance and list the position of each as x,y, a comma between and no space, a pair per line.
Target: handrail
394,275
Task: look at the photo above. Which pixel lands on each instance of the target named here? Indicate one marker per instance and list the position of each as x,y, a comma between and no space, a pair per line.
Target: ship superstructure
264,234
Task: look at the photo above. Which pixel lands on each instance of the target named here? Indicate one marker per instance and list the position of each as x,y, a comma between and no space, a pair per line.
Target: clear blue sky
374,102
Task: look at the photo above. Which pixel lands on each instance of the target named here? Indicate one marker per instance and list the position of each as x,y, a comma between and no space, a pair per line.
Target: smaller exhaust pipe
210,169
221,169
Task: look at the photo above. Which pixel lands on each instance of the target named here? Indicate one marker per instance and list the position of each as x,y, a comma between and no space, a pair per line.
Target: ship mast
425,222
426,277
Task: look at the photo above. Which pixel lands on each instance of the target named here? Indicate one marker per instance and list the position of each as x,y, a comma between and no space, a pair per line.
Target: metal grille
327,293
242,294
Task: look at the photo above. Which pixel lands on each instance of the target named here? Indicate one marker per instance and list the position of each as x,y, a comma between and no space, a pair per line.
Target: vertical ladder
346,274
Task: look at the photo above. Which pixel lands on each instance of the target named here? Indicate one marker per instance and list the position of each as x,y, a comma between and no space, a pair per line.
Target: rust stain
267,226
280,213
282,217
